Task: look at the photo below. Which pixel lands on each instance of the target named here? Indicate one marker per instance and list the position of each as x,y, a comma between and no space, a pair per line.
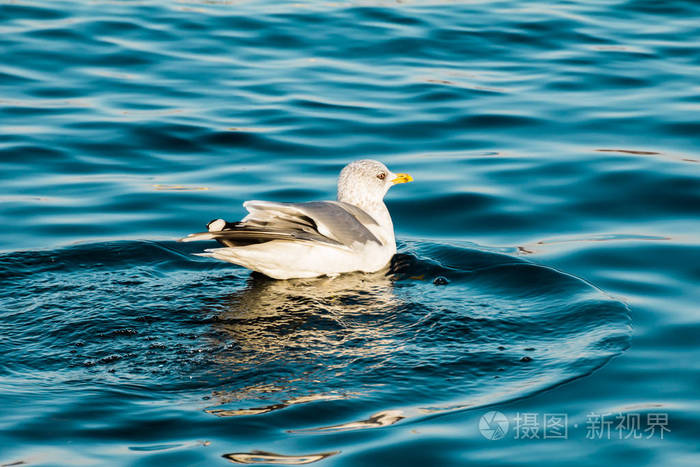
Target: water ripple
565,133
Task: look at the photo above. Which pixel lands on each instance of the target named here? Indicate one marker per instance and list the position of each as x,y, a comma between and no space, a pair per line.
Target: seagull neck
376,209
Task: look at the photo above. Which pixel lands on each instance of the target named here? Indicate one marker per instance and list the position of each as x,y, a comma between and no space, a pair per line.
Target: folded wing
331,222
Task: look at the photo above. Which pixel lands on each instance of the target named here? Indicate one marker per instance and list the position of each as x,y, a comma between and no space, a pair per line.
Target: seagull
317,238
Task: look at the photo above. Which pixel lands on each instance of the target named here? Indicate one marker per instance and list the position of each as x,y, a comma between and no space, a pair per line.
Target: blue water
549,248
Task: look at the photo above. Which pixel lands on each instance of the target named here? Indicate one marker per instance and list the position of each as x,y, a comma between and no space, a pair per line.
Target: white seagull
301,240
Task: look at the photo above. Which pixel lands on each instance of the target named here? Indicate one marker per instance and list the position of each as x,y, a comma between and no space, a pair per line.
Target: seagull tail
197,236
215,226
224,254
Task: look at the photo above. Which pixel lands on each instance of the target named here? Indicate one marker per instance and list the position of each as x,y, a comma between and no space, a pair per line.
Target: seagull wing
330,222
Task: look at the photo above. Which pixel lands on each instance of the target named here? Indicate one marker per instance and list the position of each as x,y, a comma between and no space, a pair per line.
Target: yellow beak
402,178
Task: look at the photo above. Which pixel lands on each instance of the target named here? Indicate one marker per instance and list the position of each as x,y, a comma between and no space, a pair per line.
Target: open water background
555,150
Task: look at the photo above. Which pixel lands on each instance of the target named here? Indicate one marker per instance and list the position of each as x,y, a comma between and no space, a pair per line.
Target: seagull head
366,182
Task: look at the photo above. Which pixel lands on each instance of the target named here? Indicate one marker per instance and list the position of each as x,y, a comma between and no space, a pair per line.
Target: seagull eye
381,176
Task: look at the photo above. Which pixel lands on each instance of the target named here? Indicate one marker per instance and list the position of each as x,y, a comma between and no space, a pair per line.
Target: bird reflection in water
295,341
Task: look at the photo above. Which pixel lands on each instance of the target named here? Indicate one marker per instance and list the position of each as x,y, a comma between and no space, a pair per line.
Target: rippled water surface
549,248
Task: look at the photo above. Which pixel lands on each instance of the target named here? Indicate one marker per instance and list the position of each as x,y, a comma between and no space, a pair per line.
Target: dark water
549,247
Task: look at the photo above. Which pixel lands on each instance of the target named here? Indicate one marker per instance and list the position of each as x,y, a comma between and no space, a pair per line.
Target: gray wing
331,222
